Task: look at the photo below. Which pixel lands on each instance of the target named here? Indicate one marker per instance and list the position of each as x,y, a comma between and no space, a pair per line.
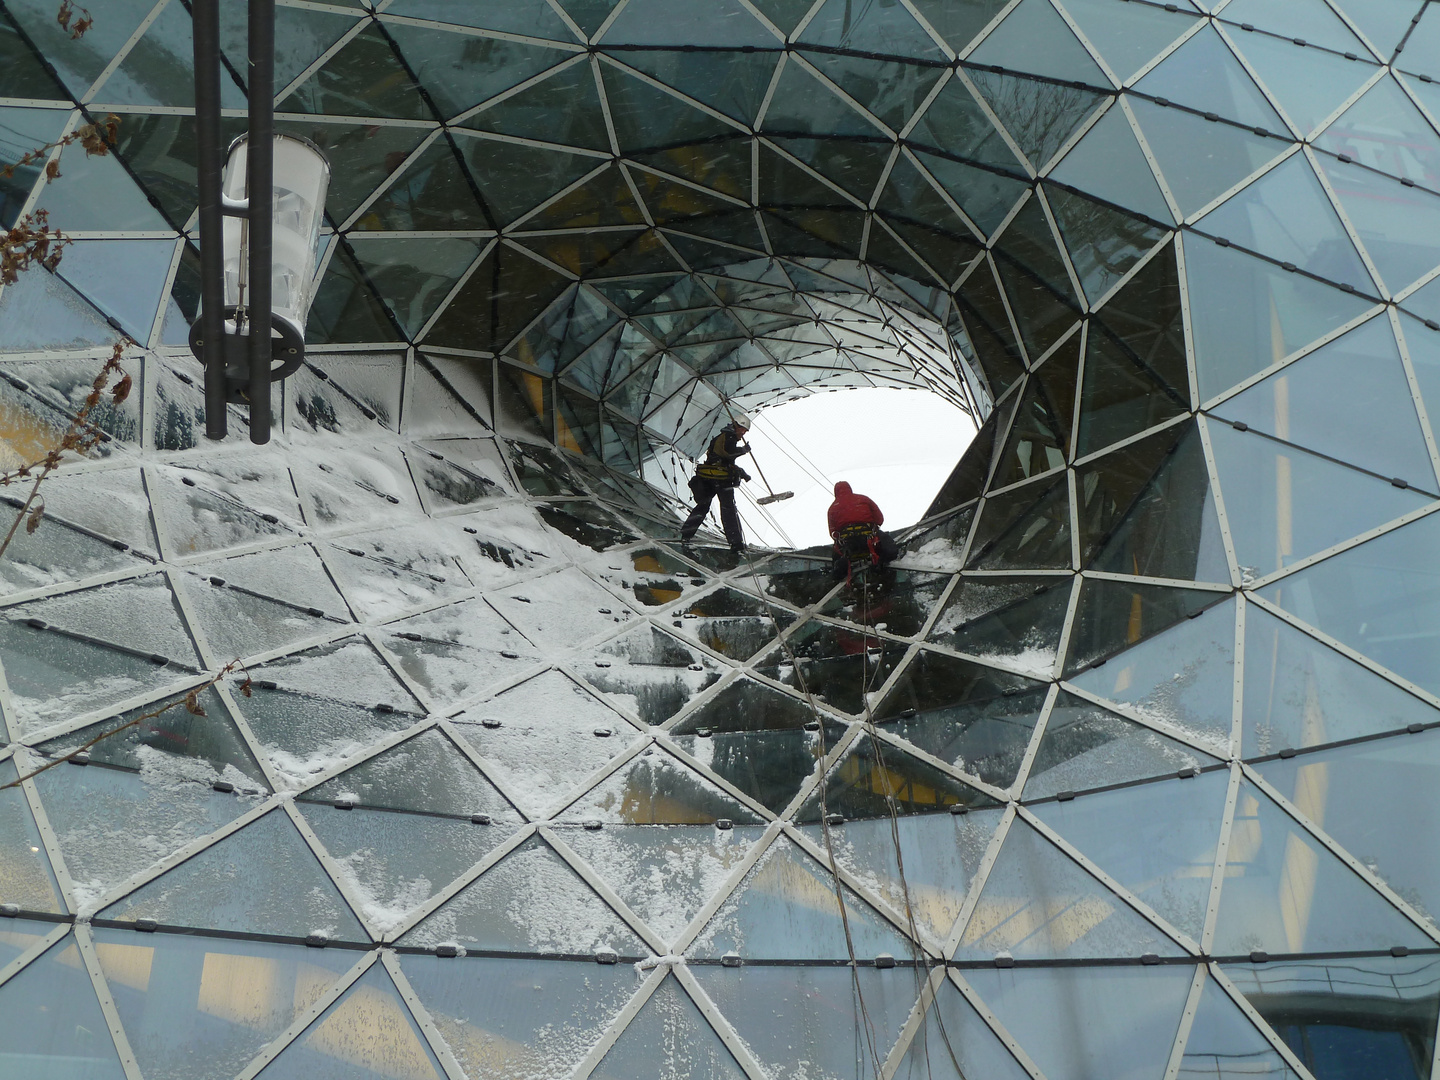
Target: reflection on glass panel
1114,615
1086,746
875,779
1301,693
49,1014
1393,219
797,581
1157,840
1202,160
1223,1041
427,773
263,879
786,908
369,1032
1359,793
1367,1016
977,718
656,788
1379,598
515,1019
1183,677
664,873
531,901
940,545
897,602
818,1032
55,553
175,993
732,623
668,1038
954,1043
1077,1023
1027,528
941,854
1039,904
1285,893
835,664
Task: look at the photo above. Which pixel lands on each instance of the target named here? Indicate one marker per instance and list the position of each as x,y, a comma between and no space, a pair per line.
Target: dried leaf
245,688
122,390
52,170
192,703
32,522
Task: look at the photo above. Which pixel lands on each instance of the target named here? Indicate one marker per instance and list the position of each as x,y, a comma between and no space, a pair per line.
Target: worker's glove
742,448
744,476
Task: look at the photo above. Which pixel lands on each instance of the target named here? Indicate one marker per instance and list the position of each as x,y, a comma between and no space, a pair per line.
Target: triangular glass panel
1183,677
426,774
1205,75
1170,529
656,788
414,276
1301,693
1247,313
725,24
494,1022
889,90
1040,433
1127,38
1286,216
1103,242
941,855
816,1034
260,880
1114,615
1387,216
544,737
875,780
231,1013
646,117
958,21
1157,840
533,902
455,652
802,105
25,75
238,623
1025,528
368,1030
366,77
1298,404
786,909
563,109
1038,904
1011,621
1223,1040
303,36
1384,108
321,706
1357,794
1384,23
1309,86
987,325
1081,1022
955,125
514,178
1086,746
50,1010
898,603
955,1043
96,192
733,83
589,15
977,718
1135,366
732,623
1035,38
889,31
835,665
1202,159
57,552
665,874
177,739
1040,116
361,158
1284,892
156,69
560,609
146,816
667,1032
346,306
1312,21
27,880
458,71
42,311
987,196
125,279
1283,504
1357,986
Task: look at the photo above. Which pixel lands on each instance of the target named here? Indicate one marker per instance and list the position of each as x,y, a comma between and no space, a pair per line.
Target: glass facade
1128,770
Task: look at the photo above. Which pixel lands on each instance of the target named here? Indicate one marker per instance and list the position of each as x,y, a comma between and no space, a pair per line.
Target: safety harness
860,540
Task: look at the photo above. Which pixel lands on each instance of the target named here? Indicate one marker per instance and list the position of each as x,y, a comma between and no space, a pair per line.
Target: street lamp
259,232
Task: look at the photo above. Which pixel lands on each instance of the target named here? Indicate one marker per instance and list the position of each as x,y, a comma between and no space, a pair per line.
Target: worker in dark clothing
855,522
719,475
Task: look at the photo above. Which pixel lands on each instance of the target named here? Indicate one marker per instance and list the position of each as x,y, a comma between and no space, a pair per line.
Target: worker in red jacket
855,522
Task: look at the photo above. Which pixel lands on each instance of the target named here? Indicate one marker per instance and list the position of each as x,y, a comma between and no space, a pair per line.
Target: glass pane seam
85,944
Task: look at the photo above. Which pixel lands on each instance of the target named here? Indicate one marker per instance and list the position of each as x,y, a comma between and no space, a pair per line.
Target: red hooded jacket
851,509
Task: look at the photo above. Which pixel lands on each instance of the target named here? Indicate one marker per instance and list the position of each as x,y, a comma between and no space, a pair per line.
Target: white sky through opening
896,446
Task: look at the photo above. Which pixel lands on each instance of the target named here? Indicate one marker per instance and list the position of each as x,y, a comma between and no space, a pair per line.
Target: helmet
739,419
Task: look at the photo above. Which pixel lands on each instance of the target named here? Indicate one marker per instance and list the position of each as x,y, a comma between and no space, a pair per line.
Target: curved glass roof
1118,774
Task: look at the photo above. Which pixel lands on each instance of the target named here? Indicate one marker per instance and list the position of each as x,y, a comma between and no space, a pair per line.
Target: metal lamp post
259,232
